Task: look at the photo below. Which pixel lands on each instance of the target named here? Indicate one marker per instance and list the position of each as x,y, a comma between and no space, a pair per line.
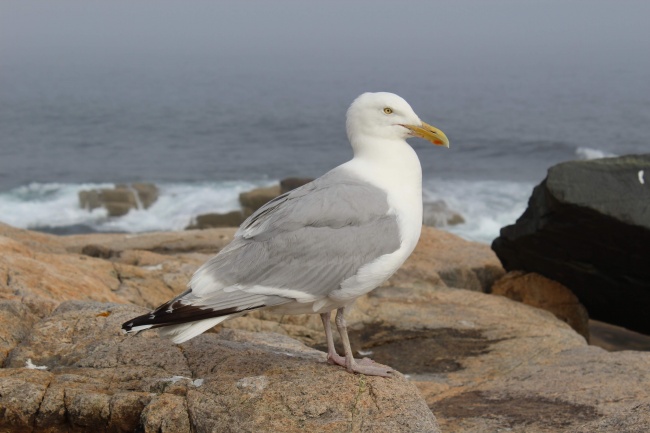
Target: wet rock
587,226
90,199
212,220
515,412
255,199
120,200
250,202
633,419
147,192
73,229
438,214
418,351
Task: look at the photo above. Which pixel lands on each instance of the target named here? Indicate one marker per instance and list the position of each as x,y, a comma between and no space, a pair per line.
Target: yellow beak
429,133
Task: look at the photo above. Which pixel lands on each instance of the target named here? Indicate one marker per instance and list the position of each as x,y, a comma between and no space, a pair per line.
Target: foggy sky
497,69
268,34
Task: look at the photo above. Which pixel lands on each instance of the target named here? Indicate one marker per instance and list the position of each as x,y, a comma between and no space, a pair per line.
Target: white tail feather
183,332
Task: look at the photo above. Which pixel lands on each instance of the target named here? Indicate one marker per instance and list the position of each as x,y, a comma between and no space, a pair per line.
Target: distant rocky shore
118,201
479,348
121,199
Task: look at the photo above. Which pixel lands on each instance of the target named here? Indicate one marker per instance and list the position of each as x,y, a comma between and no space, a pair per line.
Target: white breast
400,175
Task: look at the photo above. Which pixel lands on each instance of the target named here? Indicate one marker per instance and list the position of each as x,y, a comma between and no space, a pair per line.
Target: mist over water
226,94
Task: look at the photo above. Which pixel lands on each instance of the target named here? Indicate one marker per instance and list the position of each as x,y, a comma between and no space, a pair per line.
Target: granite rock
481,363
95,378
538,291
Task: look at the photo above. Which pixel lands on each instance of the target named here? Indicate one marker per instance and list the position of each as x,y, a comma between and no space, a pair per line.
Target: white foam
57,205
51,204
486,206
589,153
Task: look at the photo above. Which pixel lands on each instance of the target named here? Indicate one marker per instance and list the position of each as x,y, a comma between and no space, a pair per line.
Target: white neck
392,165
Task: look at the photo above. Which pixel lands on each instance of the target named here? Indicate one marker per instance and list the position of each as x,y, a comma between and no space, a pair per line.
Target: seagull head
387,116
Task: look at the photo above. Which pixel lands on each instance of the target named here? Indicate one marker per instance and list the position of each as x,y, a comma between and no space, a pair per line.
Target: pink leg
332,356
365,366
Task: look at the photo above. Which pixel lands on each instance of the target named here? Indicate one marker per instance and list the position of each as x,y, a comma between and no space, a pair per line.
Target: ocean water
209,99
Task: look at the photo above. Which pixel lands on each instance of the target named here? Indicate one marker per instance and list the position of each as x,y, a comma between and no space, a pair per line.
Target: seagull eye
388,110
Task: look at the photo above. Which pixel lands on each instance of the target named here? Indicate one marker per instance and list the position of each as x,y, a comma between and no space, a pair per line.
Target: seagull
317,248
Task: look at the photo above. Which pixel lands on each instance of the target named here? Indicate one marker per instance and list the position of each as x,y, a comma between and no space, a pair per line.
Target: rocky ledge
476,362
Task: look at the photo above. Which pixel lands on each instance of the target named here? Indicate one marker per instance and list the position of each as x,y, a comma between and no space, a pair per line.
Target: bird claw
362,366
371,370
336,359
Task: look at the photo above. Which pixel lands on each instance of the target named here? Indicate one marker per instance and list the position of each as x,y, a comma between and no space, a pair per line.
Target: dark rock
615,338
212,220
73,229
292,183
98,251
587,226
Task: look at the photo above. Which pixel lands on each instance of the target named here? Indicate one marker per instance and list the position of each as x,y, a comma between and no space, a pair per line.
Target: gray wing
310,239
298,247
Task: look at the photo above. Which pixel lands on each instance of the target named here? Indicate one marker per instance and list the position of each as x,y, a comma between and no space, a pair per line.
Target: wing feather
298,247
